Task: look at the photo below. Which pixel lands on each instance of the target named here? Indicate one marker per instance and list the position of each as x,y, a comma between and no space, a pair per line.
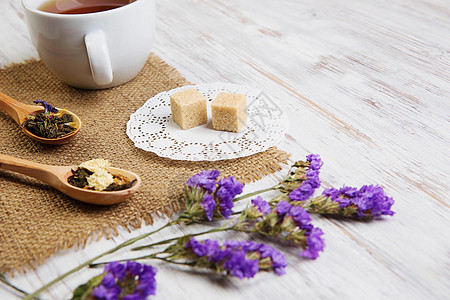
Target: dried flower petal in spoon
94,175
50,123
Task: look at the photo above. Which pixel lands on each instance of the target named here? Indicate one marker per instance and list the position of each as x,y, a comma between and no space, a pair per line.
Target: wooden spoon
56,176
19,112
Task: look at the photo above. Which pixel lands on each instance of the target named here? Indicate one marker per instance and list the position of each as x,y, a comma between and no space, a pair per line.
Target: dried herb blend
50,123
93,175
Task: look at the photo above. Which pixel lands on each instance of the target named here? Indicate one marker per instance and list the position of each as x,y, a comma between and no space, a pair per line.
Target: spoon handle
45,173
15,109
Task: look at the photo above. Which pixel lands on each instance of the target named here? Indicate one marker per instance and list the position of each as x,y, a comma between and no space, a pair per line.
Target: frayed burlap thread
36,220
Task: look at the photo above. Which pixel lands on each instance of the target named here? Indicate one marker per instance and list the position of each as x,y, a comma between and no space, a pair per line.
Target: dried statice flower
302,193
228,189
206,198
50,123
314,243
47,107
303,178
301,217
311,182
315,162
370,201
283,208
209,205
122,281
286,221
259,208
206,180
238,259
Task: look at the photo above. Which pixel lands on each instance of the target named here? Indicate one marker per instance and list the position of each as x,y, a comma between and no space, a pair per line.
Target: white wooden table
366,84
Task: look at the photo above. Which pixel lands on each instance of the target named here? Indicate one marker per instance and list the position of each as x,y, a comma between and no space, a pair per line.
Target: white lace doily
151,127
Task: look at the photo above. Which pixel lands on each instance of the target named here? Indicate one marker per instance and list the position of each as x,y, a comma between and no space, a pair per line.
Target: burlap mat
37,220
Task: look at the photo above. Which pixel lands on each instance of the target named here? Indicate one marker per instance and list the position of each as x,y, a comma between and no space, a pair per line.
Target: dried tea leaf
49,125
79,177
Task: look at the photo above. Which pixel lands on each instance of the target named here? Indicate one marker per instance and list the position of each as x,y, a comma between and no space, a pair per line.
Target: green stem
6,282
118,247
255,193
172,261
176,238
124,260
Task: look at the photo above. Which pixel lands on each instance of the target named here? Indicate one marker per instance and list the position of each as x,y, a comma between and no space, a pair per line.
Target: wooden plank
367,83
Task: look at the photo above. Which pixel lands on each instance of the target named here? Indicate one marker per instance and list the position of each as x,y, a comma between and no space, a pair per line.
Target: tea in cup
92,44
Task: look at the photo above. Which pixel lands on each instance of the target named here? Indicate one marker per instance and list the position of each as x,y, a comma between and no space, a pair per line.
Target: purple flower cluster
289,222
312,182
209,205
129,281
300,216
228,189
47,107
314,243
259,208
213,196
302,219
369,200
206,180
239,259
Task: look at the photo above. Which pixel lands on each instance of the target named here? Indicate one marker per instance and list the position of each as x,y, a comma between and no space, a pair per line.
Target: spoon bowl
56,176
19,112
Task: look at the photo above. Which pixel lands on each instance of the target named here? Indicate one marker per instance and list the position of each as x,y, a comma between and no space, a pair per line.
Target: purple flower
215,197
261,205
369,200
148,273
311,182
117,269
227,190
372,201
238,259
283,208
250,246
208,205
315,162
206,180
279,262
226,208
199,248
134,296
101,292
109,280
134,279
348,192
331,193
314,243
302,193
301,217
134,268
239,266
312,178
47,107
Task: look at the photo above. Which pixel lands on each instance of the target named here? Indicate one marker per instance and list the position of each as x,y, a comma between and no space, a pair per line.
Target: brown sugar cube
229,112
188,108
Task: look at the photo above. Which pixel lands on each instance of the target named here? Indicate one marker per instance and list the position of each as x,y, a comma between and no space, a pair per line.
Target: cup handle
98,56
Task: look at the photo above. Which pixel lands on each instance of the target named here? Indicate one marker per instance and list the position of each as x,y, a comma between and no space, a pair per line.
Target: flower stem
255,193
118,247
176,238
6,282
124,260
173,262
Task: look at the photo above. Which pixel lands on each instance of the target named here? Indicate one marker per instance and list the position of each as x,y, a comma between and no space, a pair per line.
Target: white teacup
94,50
